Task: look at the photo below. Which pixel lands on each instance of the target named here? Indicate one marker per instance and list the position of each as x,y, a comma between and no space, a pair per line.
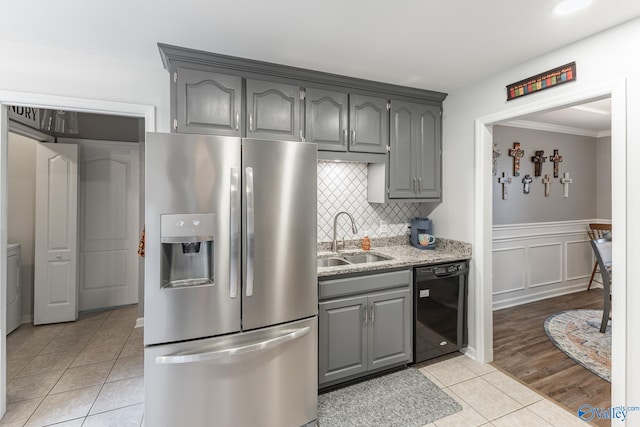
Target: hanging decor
527,180
557,76
504,180
547,183
565,184
496,153
538,159
556,159
59,121
517,154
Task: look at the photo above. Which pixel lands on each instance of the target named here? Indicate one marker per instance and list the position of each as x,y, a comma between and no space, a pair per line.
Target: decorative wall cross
547,182
517,154
527,180
504,180
496,153
556,159
538,159
565,184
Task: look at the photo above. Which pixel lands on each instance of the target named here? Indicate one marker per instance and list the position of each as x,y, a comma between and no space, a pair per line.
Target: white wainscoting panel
545,264
511,262
542,260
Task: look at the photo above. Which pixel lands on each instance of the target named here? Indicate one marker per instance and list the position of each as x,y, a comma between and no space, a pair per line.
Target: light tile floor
490,397
83,373
90,373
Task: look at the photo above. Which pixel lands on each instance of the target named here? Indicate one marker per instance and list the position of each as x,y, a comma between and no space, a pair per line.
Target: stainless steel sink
331,262
362,258
350,259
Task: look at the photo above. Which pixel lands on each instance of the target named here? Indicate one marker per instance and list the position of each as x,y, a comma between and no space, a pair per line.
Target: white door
56,236
108,224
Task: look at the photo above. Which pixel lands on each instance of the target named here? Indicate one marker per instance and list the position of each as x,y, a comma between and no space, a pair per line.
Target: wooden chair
602,250
597,231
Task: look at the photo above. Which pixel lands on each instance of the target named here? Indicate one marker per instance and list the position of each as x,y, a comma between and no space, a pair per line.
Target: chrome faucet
334,244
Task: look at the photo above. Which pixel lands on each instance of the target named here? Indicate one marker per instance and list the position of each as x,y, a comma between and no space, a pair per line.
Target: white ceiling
440,45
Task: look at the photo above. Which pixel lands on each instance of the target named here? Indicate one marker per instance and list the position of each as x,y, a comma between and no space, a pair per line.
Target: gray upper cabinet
415,158
326,119
273,110
207,102
368,124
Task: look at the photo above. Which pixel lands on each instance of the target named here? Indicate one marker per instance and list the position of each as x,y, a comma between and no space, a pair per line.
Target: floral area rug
577,334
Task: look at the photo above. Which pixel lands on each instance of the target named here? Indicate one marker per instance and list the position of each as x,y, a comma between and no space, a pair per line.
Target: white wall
34,69
21,175
604,57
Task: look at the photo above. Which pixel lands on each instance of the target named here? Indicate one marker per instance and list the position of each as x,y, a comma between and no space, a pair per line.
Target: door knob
58,256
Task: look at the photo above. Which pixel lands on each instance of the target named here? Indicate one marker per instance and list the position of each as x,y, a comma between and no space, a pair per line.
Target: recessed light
569,6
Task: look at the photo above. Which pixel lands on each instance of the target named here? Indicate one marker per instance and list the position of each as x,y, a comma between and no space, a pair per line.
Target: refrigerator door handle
250,229
234,244
235,351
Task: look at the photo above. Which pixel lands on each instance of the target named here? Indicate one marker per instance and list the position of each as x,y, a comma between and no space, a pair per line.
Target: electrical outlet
383,227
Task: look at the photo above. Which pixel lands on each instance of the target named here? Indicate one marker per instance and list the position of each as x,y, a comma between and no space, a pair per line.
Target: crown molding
526,124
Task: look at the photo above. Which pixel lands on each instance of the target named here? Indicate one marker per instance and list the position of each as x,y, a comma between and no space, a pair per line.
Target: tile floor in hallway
83,373
90,373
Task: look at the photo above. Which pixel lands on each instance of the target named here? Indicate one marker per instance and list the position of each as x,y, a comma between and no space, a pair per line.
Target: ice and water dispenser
187,250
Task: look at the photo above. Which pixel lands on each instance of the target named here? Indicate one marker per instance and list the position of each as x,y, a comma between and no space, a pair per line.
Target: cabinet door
326,115
369,124
389,340
273,110
428,152
208,103
342,348
402,177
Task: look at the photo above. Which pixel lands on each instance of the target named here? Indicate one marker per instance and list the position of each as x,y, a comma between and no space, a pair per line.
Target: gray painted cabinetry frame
347,117
364,325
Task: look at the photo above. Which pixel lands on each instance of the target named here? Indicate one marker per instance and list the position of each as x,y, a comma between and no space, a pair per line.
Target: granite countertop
400,251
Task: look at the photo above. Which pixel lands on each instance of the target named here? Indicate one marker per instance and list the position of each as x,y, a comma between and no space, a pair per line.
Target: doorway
483,218
542,259
145,112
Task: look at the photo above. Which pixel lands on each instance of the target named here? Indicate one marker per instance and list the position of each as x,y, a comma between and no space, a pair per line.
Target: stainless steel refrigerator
230,282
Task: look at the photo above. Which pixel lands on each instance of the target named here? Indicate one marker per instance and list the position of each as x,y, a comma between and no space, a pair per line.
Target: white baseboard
140,322
27,318
538,296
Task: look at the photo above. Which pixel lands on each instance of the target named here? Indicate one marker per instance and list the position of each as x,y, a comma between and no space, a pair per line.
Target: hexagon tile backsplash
342,186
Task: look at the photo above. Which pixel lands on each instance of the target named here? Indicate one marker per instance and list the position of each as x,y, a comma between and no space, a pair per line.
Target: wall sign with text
551,78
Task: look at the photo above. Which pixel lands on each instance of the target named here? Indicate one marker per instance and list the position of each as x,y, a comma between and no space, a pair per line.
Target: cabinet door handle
237,120
344,133
250,122
419,185
373,314
353,136
414,185
364,319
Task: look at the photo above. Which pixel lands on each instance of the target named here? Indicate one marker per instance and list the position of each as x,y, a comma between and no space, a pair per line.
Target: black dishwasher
440,309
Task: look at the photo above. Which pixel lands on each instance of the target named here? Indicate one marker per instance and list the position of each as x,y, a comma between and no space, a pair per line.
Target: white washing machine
14,302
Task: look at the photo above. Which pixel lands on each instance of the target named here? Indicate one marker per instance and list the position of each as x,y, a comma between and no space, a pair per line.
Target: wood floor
522,349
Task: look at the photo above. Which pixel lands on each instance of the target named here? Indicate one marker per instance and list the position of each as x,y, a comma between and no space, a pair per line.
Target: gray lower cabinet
273,110
368,124
326,119
207,102
365,332
415,159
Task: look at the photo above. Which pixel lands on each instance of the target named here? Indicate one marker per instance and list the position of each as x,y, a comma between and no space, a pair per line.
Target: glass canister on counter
422,236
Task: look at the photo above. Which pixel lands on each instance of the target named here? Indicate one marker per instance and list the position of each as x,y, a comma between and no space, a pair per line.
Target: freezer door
261,378
192,289
279,252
